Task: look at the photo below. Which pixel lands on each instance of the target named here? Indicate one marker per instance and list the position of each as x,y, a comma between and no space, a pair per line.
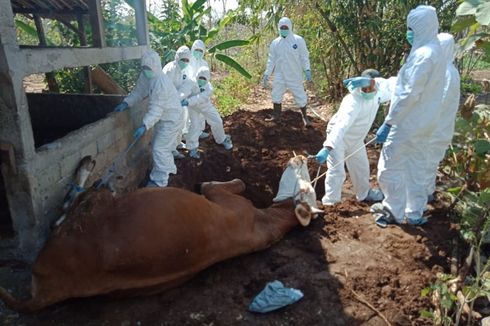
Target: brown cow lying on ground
153,239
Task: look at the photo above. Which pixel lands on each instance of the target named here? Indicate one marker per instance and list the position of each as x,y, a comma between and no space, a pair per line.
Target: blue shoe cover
274,296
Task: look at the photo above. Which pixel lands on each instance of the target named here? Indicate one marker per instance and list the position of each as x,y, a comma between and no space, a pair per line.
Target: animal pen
43,136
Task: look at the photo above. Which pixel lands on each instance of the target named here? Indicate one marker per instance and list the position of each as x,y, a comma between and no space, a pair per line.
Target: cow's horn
303,214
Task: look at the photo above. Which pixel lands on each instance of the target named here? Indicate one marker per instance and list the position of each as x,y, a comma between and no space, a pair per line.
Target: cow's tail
17,305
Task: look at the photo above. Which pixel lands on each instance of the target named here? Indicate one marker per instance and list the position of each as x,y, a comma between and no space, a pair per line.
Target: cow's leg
235,186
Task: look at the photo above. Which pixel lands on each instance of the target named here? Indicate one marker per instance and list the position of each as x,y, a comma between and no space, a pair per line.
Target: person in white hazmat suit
413,115
197,61
199,104
444,129
288,60
164,114
175,71
346,132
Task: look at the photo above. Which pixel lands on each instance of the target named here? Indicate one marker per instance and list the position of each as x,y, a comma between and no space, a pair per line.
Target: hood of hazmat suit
420,82
288,57
194,63
163,103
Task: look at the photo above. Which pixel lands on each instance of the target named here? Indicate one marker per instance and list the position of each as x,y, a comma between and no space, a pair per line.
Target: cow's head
295,183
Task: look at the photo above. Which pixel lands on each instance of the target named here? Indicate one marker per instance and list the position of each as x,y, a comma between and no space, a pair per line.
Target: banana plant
474,20
167,35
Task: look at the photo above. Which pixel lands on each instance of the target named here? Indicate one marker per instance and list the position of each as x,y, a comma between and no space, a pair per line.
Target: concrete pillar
16,130
141,22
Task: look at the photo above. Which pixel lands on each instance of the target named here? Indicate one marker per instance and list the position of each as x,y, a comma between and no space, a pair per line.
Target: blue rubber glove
322,155
265,81
356,82
382,133
184,102
308,75
121,107
139,132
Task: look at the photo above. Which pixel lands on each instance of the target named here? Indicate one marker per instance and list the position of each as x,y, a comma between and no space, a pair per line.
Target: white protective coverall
200,105
164,112
413,115
191,71
288,58
182,83
346,131
444,129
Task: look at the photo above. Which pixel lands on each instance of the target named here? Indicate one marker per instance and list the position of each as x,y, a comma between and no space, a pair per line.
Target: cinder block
69,164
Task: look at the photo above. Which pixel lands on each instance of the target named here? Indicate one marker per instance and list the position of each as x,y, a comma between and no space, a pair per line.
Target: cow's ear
303,213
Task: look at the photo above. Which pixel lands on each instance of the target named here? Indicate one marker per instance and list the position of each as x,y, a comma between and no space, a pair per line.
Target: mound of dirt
340,262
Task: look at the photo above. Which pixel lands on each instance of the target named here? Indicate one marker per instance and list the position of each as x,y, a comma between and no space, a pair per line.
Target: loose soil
337,255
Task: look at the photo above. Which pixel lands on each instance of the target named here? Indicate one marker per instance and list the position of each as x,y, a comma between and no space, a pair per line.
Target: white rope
345,159
317,114
316,178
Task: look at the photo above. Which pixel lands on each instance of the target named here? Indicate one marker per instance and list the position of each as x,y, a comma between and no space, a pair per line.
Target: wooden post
83,42
97,22
50,77
141,22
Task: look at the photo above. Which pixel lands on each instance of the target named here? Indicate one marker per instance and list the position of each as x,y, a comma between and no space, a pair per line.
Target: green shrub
230,92
468,86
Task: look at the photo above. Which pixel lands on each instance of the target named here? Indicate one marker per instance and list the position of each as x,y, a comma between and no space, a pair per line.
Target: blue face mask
410,37
197,54
201,82
182,64
368,96
148,73
284,32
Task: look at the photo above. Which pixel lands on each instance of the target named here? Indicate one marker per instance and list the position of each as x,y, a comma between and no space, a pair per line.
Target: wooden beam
44,12
50,76
97,23
7,156
40,30
83,42
141,22
41,60
105,82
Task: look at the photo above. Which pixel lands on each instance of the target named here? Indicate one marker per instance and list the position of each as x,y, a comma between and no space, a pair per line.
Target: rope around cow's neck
341,162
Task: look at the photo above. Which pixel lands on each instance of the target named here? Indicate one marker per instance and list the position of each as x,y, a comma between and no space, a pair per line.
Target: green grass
230,92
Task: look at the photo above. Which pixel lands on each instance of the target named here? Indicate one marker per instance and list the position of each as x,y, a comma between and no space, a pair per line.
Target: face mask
201,82
182,64
284,32
198,55
148,74
368,96
410,37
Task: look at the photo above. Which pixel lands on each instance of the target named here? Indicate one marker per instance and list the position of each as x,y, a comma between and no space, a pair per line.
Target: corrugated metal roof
50,6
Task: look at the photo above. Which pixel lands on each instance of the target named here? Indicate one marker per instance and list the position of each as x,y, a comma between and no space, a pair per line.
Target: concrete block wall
52,170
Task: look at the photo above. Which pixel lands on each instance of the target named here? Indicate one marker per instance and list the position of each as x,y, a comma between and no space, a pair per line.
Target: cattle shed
43,136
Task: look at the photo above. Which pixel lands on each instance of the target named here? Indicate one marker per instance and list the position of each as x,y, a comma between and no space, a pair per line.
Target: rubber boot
276,113
306,121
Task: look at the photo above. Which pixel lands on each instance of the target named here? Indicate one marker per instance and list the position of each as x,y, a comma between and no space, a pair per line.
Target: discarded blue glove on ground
274,296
